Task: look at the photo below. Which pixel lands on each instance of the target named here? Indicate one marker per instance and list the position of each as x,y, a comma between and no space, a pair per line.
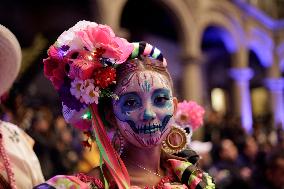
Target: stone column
241,96
192,84
275,87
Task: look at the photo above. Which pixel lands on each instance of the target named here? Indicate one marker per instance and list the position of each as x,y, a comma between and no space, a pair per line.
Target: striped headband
143,48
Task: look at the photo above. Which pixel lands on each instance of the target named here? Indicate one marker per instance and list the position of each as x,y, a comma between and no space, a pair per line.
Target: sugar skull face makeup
145,108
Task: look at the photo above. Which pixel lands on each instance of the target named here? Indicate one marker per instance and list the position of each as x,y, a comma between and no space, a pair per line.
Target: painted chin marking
151,141
146,141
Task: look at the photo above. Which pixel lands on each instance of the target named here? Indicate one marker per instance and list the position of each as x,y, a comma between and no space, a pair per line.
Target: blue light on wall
216,35
242,77
263,46
276,87
263,18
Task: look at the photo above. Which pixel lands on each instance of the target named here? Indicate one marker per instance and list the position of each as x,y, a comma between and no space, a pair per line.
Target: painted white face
145,108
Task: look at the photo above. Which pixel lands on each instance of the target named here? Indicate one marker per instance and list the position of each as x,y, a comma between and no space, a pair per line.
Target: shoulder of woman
79,181
10,127
63,181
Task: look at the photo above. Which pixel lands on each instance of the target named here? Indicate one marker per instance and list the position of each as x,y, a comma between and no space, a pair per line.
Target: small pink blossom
189,113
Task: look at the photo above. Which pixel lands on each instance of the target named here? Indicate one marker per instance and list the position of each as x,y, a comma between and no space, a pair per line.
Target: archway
216,50
155,23
259,94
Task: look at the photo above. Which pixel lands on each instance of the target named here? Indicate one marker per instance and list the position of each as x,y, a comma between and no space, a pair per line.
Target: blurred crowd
244,160
58,145
235,159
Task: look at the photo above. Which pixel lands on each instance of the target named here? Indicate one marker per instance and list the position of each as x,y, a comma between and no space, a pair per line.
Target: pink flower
120,50
103,37
96,37
189,113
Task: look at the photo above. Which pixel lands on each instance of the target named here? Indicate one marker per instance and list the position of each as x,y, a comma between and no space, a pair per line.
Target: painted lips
149,129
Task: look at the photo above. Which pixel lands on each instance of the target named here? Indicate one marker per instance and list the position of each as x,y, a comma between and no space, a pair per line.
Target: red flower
54,70
55,53
104,77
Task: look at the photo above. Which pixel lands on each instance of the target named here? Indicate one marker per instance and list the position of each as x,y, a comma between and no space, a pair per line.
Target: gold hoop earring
118,142
175,141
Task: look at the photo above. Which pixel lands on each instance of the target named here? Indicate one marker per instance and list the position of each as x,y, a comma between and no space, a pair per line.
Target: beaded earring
118,142
175,141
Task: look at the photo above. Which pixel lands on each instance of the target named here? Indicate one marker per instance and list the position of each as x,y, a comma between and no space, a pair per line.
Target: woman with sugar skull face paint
108,84
145,106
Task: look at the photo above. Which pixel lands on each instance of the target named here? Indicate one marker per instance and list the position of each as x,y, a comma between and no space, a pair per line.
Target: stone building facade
244,27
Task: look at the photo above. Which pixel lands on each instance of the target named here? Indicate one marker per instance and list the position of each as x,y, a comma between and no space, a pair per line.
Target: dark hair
142,63
271,160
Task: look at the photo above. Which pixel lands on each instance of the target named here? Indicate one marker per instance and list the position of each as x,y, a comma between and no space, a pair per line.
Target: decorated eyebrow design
162,91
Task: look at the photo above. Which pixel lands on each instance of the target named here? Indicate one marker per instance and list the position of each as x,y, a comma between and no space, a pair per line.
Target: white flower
83,24
69,37
115,96
87,83
91,95
76,87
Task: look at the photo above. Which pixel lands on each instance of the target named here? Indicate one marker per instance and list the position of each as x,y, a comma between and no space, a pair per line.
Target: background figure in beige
19,166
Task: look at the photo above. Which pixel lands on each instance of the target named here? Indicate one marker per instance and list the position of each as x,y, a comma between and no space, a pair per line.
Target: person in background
203,149
45,144
270,174
19,166
226,169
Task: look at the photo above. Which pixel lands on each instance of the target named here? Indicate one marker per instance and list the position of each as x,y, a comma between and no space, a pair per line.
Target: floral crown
82,64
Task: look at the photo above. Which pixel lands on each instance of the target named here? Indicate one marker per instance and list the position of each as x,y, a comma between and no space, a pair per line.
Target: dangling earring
175,141
118,142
